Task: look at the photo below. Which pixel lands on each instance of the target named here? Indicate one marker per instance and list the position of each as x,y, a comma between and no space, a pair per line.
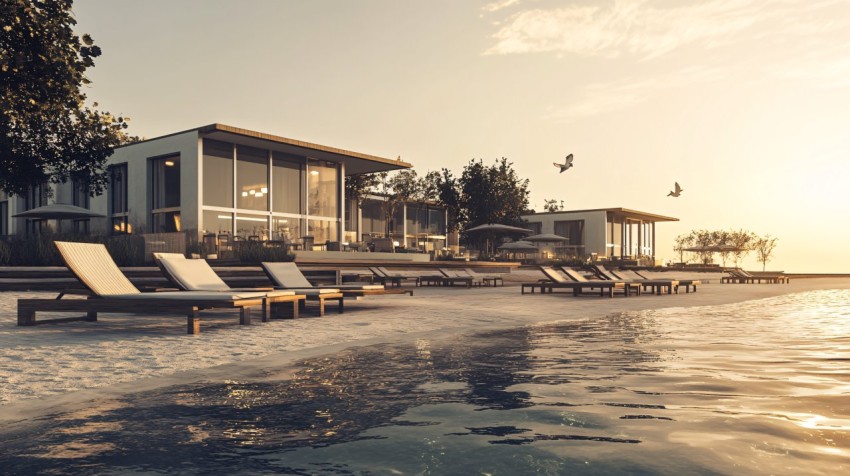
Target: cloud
647,29
601,98
496,6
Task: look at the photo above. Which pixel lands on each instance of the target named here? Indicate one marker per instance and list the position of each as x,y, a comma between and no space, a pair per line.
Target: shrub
39,250
255,252
5,253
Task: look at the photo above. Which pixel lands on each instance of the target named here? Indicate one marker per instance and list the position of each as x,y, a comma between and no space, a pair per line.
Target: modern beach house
612,233
225,183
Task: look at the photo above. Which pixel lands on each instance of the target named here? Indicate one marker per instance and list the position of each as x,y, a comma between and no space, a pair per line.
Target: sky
745,103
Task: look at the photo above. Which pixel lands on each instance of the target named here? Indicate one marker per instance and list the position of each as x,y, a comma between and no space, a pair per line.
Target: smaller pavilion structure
612,233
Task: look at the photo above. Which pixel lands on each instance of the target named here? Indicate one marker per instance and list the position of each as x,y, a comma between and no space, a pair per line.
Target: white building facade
218,181
613,233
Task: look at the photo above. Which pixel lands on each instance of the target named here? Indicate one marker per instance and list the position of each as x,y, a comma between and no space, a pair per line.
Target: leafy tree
444,188
742,241
552,205
47,134
360,185
764,247
703,238
680,244
493,194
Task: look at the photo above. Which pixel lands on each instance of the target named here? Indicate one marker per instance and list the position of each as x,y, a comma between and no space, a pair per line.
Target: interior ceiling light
169,163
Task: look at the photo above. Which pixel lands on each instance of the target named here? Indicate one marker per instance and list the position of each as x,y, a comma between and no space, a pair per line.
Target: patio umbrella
518,246
498,227
58,211
491,230
546,238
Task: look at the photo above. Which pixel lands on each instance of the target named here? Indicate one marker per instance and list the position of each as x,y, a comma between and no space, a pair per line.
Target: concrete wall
594,227
138,172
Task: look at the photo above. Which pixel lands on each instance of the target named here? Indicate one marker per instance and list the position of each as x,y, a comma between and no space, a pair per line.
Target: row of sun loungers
200,288
740,276
608,283
446,277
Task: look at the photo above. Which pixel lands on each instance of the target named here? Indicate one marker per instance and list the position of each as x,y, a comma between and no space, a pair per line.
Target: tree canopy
47,133
493,194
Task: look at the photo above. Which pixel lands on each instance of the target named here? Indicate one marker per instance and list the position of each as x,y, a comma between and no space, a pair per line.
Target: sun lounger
197,275
489,279
689,284
286,275
451,277
394,278
628,288
656,286
112,292
556,281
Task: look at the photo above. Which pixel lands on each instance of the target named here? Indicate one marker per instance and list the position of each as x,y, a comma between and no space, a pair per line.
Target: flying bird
676,192
567,164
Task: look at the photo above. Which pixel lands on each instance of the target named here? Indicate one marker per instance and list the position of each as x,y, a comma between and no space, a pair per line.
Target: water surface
751,388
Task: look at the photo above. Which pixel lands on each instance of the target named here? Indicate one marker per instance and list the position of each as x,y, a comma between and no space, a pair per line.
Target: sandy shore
44,365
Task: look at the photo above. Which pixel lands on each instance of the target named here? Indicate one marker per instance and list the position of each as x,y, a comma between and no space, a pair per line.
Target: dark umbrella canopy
546,238
58,211
498,227
518,246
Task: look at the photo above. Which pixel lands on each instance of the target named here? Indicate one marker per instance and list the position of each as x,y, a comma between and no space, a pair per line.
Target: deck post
193,321
244,315
26,316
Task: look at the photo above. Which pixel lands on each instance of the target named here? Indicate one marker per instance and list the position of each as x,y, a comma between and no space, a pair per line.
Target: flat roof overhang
355,162
618,212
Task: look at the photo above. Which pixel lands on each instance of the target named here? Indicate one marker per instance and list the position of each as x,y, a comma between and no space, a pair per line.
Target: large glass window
252,178
165,194
217,223
117,189
373,222
81,199
287,183
323,231
252,227
322,189
218,173
36,197
350,228
286,228
117,197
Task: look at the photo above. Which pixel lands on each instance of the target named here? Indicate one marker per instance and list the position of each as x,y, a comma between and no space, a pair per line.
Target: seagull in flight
567,164
676,192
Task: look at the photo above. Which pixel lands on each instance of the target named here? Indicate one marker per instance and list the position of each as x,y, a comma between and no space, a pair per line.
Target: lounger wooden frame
271,307
577,288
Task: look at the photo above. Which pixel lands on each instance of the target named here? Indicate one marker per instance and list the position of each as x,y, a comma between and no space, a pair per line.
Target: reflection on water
758,387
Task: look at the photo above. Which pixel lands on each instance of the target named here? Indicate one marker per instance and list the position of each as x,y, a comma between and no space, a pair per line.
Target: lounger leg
296,306
193,322
321,306
267,311
91,316
26,317
245,316
341,306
